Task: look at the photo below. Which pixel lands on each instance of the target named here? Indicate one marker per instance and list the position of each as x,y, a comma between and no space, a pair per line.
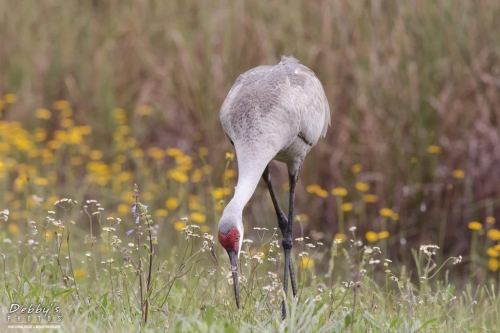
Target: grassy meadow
114,169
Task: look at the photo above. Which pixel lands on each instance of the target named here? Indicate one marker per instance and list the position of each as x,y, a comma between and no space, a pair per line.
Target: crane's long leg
285,226
288,242
282,221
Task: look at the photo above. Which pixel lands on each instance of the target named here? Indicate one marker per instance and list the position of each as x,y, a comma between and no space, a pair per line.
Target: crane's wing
313,104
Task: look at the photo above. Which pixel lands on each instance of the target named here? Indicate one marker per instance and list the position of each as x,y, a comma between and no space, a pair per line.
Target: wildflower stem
473,249
150,270
340,214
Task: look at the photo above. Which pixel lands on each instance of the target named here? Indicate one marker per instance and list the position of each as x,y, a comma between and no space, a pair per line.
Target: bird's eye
238,238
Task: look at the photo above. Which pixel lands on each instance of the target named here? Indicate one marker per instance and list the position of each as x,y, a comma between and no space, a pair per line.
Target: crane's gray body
276,112
271,112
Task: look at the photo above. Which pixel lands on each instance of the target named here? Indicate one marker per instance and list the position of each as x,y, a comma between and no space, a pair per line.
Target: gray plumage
271,112
279,110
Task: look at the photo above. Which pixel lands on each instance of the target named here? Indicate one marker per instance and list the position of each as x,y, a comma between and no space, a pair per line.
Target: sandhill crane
271,112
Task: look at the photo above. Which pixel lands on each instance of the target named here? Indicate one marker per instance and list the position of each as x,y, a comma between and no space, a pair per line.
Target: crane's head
231,238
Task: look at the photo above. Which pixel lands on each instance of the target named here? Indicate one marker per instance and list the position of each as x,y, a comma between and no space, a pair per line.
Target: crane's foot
292,278
294,287
287,246
285,280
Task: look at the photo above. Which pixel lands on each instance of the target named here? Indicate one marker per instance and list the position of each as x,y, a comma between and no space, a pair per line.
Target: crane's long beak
233,259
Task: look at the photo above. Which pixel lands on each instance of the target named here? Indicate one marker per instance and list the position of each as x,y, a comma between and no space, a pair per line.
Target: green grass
96,96
190,289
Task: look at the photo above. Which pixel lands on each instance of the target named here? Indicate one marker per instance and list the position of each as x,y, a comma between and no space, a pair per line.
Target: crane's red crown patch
231,241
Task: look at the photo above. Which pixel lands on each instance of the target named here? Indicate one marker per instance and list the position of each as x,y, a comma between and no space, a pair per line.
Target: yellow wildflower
370,198
41,181
493,234
67,123
356,168
196,176
85,130
387,212
172,203
203,151
66,113
137,153
312,188
383,234
61,105
20,182
303,217
145,110
60,135
123,209
9,98
177,175
179,225
74,136
230,173
306,263
174,152
79,274
219,193
346,207
371,236
43,114
13,228
161,212
490,220
474,225
120,116
321,193
49,236
48,155
229,156
395,216
156,153
194,205
492,252
40,134
434,149
339,191
95,155
493,264
198,217
340,236
205,228
184,162
362,187
459,174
